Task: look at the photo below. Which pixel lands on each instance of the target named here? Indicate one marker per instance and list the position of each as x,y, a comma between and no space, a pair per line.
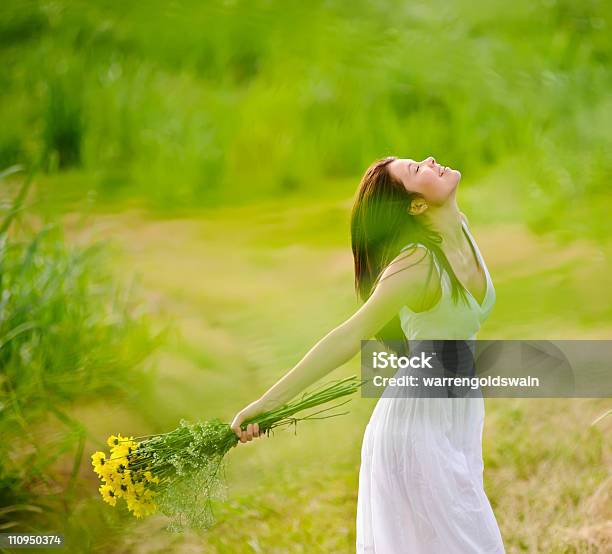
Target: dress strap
479,255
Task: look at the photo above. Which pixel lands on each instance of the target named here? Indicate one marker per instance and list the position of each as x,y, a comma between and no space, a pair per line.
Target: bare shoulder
411,262
413,275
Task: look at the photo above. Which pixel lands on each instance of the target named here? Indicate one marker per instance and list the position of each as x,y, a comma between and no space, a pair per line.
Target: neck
446,220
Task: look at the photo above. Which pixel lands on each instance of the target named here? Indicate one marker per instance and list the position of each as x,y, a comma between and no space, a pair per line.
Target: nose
431,160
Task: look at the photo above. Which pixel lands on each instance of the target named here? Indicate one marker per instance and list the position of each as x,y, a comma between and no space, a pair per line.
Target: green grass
68,333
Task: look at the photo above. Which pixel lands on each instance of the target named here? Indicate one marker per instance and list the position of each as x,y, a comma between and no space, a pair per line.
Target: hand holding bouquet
250,430
179,473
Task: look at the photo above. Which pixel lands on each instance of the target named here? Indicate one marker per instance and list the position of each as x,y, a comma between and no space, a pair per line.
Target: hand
252,429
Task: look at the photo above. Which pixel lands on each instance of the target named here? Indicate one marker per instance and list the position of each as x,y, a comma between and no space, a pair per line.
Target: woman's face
434,182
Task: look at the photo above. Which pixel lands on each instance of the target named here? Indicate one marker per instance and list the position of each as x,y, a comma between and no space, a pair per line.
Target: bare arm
402,283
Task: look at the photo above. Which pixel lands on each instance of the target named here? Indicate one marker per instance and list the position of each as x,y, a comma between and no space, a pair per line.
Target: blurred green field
216,147
177,105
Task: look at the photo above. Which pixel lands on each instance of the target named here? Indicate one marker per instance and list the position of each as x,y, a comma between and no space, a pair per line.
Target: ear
417,206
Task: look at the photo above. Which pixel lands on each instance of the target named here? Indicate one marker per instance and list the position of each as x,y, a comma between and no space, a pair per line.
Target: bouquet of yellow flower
179,473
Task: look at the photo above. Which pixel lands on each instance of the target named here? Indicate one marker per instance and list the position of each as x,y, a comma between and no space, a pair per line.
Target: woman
421,276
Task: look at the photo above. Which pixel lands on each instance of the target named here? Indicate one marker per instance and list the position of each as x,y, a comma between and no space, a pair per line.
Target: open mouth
441,170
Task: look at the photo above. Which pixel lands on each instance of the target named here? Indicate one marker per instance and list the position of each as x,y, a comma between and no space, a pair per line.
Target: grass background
216,148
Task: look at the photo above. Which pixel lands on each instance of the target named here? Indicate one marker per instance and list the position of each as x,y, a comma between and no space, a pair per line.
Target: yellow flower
124,489
138,488
112,473
98,460
134,506
123,449
120,466
110,466
141,507
121,452
109,474
108,494
118,440
122,481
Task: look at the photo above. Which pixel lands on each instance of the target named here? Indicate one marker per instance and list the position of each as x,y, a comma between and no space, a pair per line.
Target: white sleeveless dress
421,476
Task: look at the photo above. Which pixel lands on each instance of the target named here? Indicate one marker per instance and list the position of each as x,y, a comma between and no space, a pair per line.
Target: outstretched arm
402,283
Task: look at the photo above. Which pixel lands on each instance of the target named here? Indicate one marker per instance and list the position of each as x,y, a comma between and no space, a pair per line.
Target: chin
455,174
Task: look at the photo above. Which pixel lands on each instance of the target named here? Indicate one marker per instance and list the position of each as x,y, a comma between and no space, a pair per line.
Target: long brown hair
380,227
